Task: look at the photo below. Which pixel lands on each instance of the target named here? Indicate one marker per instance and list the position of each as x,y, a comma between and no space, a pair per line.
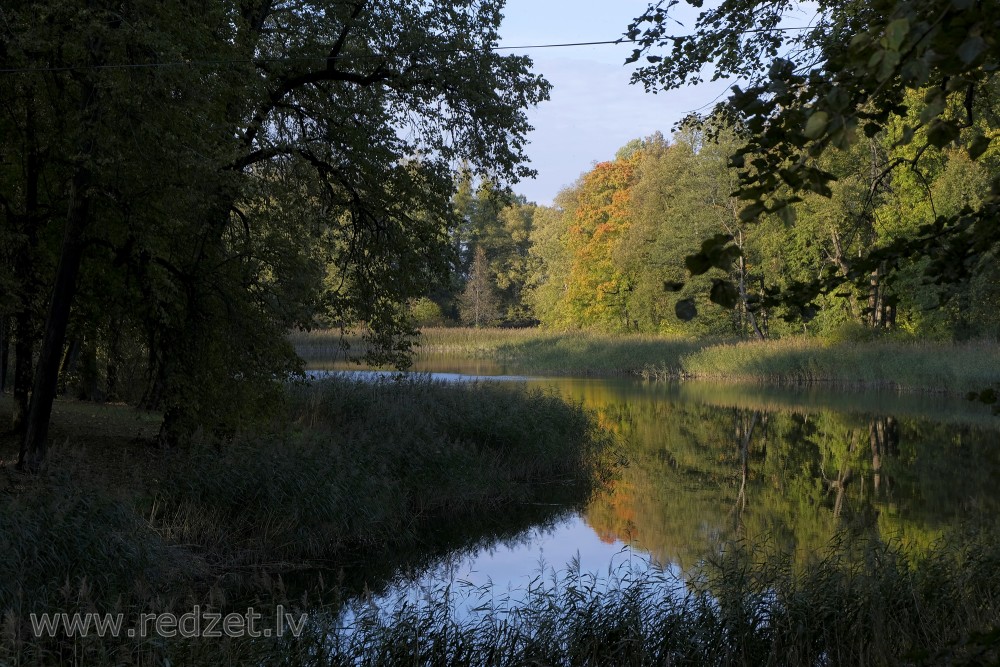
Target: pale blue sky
593,110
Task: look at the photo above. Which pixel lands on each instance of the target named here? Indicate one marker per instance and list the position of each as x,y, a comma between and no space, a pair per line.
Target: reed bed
355,472
873,603
527,350
796,360
946,367
563,352
366,465
861,602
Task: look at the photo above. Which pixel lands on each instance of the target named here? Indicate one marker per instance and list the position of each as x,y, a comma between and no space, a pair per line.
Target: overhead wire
293,59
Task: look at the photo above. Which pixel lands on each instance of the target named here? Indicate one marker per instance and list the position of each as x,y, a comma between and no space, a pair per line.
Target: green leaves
935,101
972,49
978,146
686,310
714,253
816,125
724,293
942,132
896,32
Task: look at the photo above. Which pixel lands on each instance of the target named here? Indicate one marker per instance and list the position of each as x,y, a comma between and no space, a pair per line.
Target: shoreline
903,366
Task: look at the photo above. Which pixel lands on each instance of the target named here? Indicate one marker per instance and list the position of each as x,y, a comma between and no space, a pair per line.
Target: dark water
711,463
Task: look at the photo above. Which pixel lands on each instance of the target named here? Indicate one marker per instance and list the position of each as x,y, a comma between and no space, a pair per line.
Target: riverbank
352,473
880,363
117,526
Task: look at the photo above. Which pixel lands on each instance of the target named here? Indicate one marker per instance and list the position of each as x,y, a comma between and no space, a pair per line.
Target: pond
708,463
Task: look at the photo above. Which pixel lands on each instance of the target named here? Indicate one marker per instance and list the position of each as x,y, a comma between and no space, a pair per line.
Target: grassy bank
529,350
908,366
355,472
950,367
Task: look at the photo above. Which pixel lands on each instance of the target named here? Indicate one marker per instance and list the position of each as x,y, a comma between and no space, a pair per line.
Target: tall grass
880,605
356,471
370,465
947,367
526,350
873,603
937,366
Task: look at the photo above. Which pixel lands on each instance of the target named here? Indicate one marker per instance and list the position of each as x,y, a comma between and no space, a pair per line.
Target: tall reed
951,367
874,604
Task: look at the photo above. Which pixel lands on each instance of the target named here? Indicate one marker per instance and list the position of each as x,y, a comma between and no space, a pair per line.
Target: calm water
710,463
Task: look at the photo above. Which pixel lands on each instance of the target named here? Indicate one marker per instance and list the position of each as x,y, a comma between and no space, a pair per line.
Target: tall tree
479,301
222,156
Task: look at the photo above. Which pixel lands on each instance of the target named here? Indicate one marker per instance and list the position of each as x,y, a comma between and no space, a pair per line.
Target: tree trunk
25,324
24,338
837,257
111,371
4,352
35,443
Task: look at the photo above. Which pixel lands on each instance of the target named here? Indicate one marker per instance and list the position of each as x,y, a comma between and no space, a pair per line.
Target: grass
873,603
878,604
370,465
355,472
797,360
948,367
529,350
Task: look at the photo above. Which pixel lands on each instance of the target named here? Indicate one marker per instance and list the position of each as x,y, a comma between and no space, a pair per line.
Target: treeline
611,254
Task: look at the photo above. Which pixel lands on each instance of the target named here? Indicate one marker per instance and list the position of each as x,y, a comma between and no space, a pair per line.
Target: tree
478,303
499,222
681,196
813,89
548,262
221,159
586,286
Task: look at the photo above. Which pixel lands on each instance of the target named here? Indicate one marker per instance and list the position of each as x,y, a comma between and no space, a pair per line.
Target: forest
181,186
610,254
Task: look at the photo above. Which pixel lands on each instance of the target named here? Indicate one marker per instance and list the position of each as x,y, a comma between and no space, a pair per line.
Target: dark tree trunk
114,358
745,311
4,352
35,442
24,339
25,328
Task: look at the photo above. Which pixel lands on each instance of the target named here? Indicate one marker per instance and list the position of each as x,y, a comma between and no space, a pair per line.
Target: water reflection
442,362
711,463
796,475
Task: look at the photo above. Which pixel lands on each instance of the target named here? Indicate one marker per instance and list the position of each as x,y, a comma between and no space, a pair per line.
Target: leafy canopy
811,84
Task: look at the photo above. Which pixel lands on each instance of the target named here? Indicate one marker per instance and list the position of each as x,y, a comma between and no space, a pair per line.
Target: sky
593,109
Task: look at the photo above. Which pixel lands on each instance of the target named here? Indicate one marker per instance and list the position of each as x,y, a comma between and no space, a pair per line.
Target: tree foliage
499,223
231,170
478,303
921,70
682,217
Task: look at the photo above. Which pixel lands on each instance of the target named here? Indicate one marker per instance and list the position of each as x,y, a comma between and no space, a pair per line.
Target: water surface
710,463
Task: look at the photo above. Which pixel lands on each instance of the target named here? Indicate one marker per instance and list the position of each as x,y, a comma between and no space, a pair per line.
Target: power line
291,59
370,56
